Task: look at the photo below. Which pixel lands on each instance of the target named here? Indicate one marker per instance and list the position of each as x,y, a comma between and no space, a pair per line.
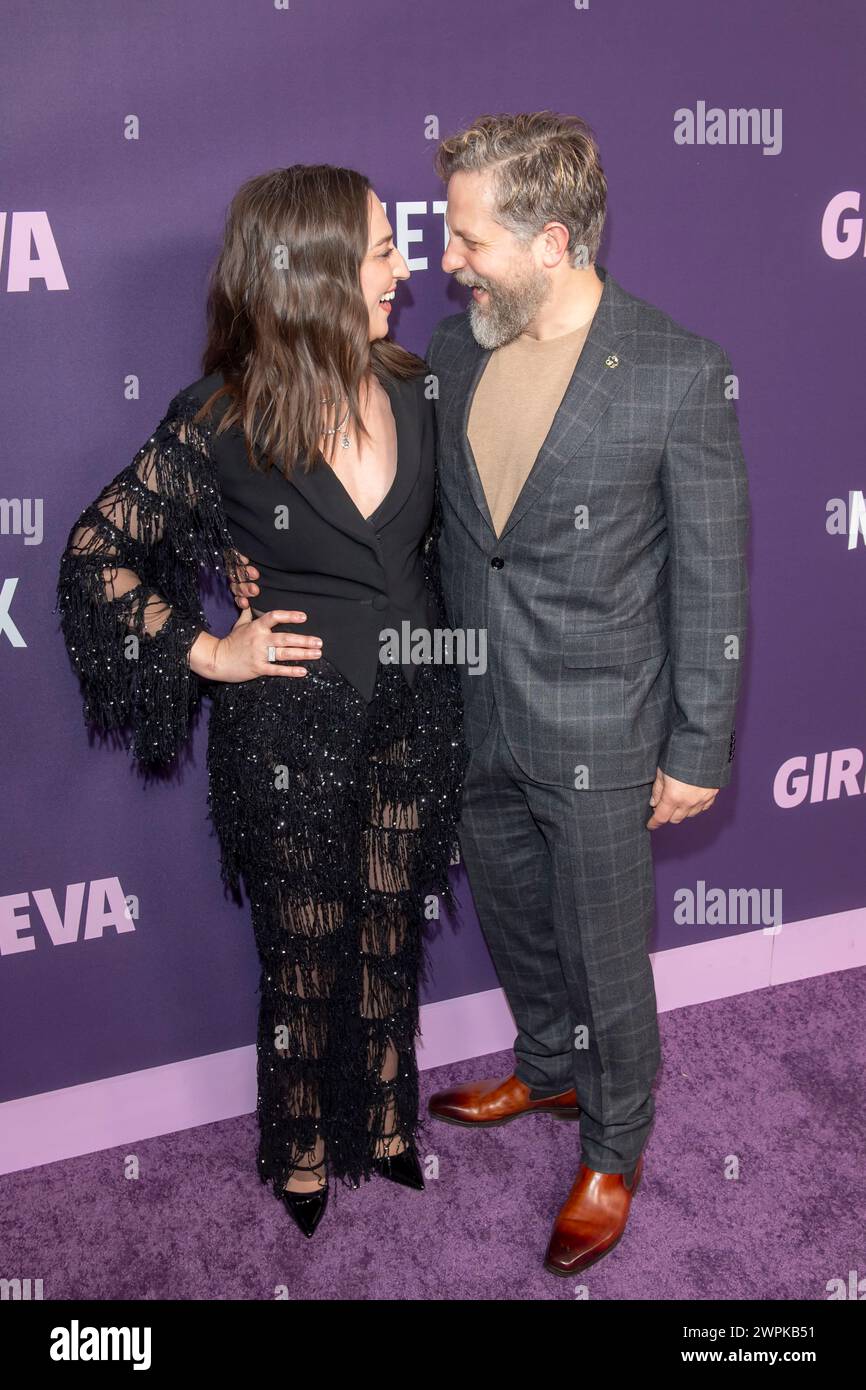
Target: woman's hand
243,654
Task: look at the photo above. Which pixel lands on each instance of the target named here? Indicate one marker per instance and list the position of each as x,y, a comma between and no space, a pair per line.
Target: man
595,515
595,518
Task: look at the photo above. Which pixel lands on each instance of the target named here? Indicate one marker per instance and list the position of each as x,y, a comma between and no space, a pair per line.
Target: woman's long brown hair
288,326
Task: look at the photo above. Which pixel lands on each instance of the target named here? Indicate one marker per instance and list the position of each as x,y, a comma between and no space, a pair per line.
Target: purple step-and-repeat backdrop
732,138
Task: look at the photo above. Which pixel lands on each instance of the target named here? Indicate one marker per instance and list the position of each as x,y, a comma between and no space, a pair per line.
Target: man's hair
546,168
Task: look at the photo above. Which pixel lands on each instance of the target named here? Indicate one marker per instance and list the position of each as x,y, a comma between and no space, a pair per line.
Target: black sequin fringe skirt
340,816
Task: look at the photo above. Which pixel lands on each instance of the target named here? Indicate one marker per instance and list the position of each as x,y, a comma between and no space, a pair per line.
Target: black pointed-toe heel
402,1168
307,1209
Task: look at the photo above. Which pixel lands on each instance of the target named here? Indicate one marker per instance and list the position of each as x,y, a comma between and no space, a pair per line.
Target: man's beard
510,307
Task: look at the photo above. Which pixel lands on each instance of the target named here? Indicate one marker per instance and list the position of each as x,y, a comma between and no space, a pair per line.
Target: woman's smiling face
381,269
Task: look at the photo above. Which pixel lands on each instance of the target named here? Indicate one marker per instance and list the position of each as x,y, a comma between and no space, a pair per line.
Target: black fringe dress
339,850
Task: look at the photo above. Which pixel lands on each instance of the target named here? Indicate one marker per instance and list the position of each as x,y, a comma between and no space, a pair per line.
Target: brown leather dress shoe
592,1220
495,1102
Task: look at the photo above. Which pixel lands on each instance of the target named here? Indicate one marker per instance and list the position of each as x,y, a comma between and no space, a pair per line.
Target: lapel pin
612,361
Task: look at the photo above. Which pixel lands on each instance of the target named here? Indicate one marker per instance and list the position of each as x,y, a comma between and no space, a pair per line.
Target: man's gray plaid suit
615,606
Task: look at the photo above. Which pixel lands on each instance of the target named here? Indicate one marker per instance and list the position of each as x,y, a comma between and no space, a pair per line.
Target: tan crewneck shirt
513,408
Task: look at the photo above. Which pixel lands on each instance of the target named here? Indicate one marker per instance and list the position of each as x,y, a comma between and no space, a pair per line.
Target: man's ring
272,653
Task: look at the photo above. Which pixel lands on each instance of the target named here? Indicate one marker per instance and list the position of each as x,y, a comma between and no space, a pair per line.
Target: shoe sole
586,1264
564,1114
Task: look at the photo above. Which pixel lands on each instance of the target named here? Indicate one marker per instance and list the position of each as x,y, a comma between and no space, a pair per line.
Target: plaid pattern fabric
562,881
615,600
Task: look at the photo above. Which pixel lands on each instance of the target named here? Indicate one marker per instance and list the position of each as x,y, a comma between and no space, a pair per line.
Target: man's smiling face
508,284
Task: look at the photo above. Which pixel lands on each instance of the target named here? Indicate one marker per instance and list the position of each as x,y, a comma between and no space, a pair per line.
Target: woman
334,788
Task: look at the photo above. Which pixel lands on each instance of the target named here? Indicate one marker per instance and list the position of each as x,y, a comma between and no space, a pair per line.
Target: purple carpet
775,1080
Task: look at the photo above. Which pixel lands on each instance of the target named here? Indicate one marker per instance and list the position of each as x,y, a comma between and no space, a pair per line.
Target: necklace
338,429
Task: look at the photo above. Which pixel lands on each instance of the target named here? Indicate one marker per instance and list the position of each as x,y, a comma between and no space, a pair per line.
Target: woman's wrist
202,655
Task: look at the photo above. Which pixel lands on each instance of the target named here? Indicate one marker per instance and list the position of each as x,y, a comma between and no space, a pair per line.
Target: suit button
497,562
380,601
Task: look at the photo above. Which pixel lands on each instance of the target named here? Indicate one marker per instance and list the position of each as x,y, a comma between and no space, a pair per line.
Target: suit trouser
563,886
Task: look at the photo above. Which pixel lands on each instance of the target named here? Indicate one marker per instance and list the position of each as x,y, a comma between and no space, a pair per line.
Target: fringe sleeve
127,589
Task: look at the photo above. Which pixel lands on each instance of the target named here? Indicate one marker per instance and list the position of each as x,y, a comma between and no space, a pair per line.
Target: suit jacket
352,576
615,600
184,502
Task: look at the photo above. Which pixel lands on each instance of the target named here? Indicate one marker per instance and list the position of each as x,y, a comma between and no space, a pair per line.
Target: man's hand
232,652
674,801
241,576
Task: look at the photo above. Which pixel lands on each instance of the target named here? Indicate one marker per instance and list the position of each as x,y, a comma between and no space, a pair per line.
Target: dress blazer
615,597
353,576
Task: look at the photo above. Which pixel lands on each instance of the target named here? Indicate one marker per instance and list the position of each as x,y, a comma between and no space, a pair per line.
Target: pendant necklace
338,429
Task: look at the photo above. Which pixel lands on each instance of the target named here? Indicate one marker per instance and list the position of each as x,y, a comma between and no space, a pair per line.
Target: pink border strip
120,1110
